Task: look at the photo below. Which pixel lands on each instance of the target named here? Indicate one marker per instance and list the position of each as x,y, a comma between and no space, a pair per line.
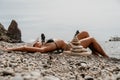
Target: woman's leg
82,35
85,34
27,49
94,45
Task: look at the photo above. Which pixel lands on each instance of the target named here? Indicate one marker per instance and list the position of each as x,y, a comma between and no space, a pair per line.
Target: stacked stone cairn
77,49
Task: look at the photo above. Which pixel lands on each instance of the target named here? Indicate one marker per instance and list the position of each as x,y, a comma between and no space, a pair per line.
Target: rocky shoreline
17,65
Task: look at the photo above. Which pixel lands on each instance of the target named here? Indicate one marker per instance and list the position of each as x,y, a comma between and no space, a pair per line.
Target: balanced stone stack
77,49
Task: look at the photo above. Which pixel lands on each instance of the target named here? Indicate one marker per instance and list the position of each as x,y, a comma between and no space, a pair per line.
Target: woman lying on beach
52,45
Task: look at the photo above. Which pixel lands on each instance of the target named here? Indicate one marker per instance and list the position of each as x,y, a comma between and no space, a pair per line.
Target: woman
51,45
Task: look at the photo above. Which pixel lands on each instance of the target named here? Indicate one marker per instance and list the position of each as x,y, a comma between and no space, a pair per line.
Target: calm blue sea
61,18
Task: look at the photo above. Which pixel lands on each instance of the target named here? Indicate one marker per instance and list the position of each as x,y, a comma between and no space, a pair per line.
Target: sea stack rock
12,35
3,31
14,32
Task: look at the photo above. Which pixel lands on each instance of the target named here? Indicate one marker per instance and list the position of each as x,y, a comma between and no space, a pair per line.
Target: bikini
59,50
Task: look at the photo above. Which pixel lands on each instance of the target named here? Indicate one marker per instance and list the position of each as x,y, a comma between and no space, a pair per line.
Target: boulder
3,33
12,35
14,32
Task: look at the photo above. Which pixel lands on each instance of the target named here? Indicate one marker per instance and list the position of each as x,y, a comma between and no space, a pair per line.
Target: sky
100,17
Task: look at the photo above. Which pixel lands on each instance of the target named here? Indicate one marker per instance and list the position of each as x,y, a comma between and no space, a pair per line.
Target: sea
112,48
61,18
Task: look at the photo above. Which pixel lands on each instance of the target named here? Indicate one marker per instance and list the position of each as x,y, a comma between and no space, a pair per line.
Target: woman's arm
28,49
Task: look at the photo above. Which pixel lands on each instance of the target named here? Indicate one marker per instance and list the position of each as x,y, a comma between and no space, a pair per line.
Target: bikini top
59,50
50,41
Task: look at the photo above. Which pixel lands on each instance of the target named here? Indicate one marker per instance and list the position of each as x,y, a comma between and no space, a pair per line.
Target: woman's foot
97,54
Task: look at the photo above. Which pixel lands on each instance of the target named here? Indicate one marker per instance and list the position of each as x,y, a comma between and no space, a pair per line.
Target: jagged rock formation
14,32
12,35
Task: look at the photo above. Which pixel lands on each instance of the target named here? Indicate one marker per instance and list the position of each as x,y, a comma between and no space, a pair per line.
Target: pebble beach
22,21
17,65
